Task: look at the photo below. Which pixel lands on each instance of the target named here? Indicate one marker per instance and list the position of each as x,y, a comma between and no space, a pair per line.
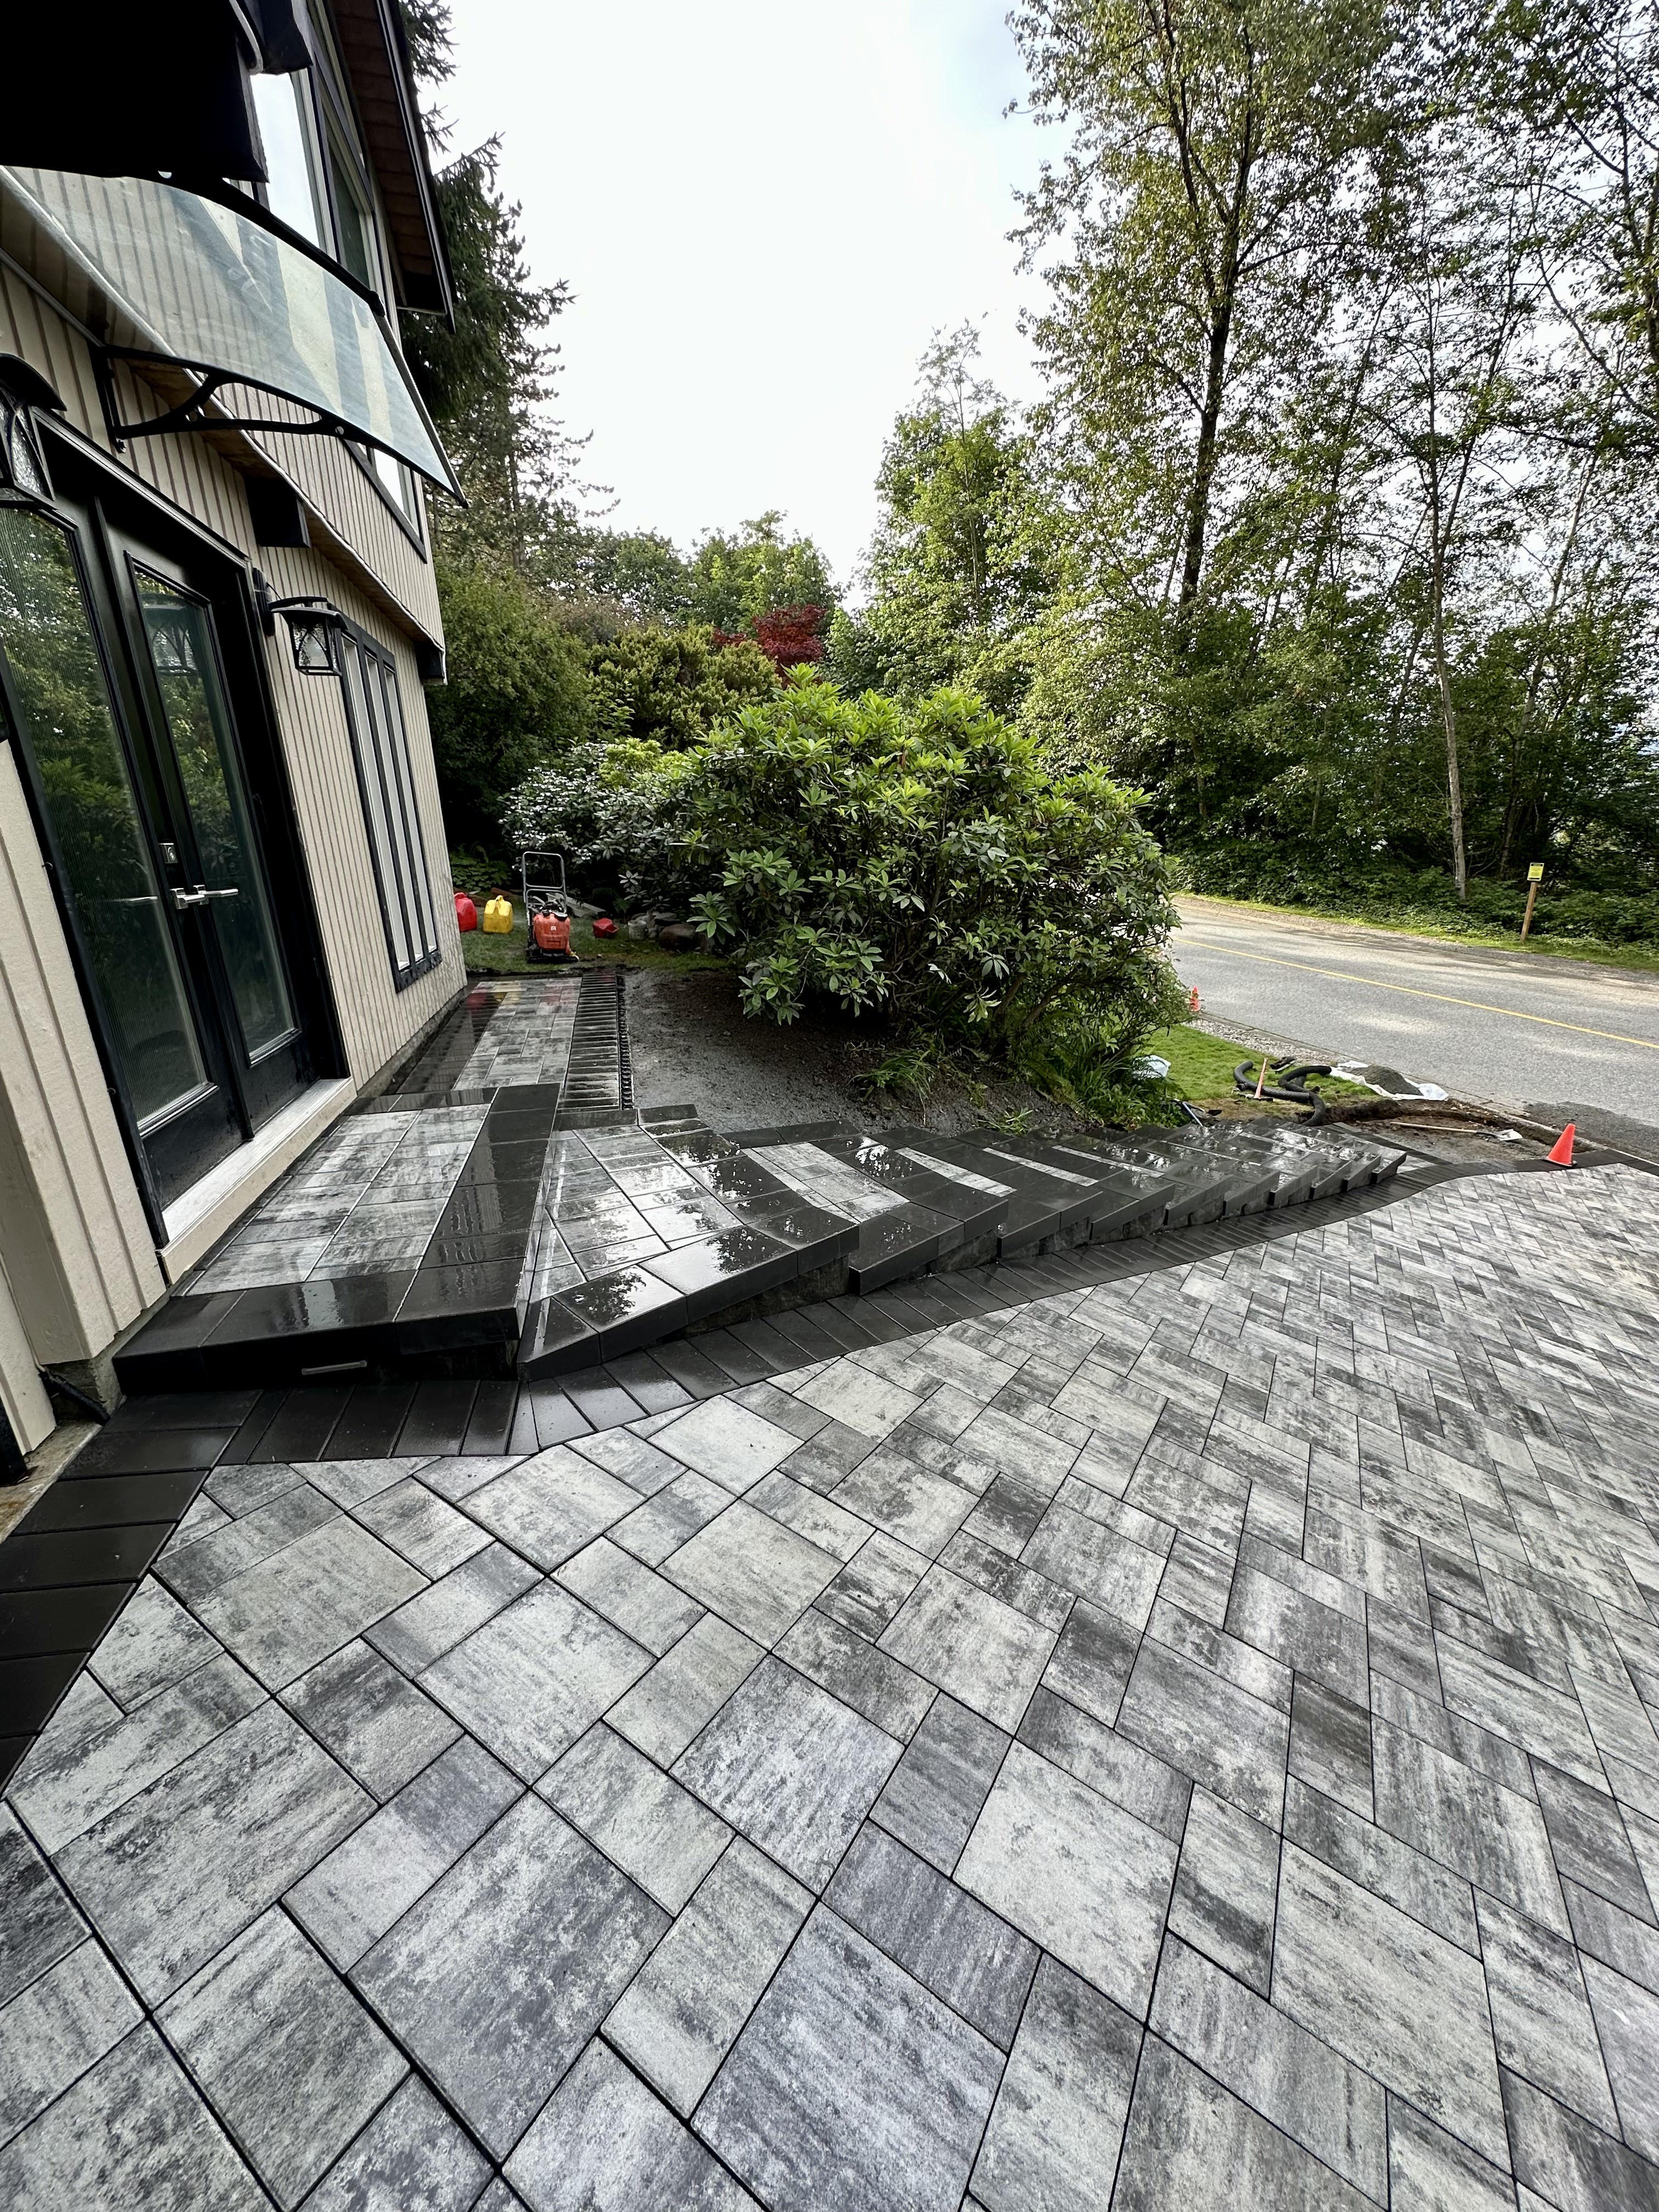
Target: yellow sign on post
1534,877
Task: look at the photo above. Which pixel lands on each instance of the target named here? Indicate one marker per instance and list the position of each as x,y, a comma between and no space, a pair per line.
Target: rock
680,936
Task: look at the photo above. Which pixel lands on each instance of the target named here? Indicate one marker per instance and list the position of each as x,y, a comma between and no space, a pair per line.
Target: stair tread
639,1226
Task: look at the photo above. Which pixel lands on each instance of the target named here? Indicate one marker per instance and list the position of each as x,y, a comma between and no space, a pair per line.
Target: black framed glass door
221,884
114,680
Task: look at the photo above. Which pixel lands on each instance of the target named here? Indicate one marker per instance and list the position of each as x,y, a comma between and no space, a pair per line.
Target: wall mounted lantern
24,481
314,627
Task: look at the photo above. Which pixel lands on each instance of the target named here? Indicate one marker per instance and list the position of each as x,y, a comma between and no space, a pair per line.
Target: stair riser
972,1252
831,1282
347,1357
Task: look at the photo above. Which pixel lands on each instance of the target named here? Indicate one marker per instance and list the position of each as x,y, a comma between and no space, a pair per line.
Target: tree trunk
1448,710
1535,674
1440,526
1454,779
1223,277
1209,435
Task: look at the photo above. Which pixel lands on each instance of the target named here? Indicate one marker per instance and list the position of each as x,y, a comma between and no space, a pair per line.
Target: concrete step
911,1217
1050,1203
1196,1193
770,1245
541,1228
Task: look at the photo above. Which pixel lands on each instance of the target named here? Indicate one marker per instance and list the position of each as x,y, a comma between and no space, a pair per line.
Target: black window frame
386,790
407,519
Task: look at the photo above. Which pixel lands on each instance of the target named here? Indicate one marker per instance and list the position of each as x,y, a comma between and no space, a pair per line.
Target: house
224,907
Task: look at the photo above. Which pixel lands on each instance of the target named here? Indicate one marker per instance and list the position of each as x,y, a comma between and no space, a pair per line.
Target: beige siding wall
74,1243
73,1239
21,1392
375,1019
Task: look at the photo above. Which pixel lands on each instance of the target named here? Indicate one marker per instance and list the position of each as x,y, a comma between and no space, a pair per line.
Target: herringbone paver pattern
1185,1743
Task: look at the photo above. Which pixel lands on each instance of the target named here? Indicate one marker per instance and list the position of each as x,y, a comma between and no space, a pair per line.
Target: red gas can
467,915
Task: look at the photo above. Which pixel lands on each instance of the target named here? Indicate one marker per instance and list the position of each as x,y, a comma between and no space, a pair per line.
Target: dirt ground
1461,1142
692,1045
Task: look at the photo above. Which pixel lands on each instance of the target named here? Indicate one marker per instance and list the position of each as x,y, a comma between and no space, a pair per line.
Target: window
396,480
283,106
376,714
355,223
297,191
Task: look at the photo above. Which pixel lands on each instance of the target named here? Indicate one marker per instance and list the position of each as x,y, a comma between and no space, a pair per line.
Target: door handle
201,895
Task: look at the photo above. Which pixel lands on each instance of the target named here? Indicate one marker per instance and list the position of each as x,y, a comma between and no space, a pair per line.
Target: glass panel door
122,911
178,631
129,679
178,612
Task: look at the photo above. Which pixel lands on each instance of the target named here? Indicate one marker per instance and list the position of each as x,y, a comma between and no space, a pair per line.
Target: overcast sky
764,209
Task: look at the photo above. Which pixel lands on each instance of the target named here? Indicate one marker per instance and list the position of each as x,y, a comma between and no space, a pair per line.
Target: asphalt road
1517,1029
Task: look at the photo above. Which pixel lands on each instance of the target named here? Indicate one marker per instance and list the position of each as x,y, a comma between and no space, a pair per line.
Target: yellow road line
1480,1005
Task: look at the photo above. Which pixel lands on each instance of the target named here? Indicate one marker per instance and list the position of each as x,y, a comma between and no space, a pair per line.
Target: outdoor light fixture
23,478
313,624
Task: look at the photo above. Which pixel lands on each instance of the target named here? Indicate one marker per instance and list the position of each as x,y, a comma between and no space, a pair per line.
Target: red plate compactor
546,905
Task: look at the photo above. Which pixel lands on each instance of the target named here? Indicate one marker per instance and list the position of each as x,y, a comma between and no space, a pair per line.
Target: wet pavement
1487,1023
507,1208
1184,1742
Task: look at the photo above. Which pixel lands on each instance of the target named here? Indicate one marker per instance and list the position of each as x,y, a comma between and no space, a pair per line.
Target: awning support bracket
191,413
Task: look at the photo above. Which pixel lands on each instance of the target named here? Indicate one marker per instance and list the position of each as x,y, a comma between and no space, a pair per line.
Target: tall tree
1204,212
1573,85
641,572
1353,317
737,576
961,559
487,376
490,380
1445,402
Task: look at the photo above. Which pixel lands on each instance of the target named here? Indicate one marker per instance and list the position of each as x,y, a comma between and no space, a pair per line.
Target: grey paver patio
1180,1744
291,2062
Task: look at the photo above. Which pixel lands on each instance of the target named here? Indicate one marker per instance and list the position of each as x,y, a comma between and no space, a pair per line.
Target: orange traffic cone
1560,1153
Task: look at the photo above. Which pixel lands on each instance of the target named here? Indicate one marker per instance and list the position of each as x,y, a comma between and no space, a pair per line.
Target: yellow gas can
498,915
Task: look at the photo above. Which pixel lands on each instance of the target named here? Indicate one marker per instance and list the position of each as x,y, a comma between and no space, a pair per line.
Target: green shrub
1376,889
615,813
669,687
481,871
924,861
517,692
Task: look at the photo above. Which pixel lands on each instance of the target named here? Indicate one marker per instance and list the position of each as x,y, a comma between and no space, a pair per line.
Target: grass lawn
486,954
1414,921
1201,1067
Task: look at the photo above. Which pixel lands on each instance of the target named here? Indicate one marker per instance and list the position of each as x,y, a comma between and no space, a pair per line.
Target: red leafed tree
787,637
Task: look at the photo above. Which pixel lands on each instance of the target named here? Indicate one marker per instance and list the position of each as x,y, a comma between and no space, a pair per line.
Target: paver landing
1188,1742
